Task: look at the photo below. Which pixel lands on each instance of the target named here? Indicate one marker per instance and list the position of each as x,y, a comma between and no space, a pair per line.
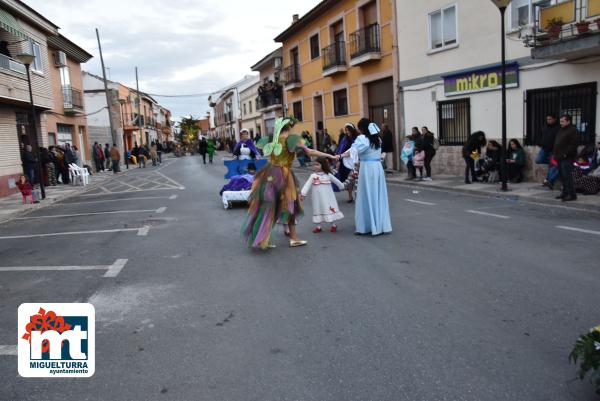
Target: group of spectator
55,161
418,150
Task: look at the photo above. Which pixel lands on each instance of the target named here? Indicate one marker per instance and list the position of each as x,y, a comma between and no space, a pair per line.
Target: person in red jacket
26,189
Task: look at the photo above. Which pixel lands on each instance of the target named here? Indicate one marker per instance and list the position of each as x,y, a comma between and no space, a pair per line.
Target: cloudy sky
179,46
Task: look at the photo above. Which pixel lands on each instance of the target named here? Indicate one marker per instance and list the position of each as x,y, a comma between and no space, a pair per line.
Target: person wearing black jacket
29,162
387,146
565,152
429,147
473,145
546,144
203,148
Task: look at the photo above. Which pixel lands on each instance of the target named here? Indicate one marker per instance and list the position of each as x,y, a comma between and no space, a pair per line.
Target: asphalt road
470,298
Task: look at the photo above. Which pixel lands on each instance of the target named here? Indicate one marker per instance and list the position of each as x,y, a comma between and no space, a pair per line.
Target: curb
499,195
48,202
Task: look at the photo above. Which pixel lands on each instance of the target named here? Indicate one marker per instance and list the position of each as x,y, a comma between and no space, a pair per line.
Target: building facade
270,91
450,76
339,64
227,108
66,122
98,113
251,118
22,30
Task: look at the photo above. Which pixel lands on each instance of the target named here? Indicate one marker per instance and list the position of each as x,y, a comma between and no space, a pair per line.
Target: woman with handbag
470,152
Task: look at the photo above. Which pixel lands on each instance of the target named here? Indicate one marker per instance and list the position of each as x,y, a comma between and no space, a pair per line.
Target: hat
244,130
374,129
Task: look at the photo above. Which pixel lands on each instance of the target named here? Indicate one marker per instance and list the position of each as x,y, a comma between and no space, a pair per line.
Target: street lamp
27,59
502,5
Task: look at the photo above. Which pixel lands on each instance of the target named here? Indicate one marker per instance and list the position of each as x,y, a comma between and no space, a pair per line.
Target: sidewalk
525,191
12,206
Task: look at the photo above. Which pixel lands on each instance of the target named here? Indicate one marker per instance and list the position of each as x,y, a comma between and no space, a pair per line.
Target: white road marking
115,200
143,231
8,350
117,230
131,191
111,271
498,216
115,268
579,230
171,180
161,210
90,214
420,202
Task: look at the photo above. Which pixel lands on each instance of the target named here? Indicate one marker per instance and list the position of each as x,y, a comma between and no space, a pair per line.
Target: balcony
566,30
365,45
131,122
291,77
7,63
270,97
334,58
72,100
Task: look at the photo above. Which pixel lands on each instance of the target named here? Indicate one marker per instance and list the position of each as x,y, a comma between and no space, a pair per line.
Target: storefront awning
10,24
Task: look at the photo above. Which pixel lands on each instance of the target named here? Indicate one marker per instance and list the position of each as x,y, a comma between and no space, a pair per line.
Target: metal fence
454,122
365,40
579,101
334,55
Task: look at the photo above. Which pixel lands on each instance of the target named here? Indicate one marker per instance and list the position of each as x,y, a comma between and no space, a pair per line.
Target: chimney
295,18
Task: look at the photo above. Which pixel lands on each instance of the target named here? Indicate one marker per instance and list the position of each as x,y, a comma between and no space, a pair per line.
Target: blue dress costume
372,215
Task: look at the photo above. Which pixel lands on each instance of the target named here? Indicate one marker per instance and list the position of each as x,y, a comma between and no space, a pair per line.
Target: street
470,298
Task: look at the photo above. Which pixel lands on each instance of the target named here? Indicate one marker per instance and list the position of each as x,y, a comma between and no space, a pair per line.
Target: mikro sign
482,80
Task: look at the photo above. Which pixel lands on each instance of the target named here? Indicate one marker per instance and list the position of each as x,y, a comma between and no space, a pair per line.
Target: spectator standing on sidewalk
546,144
471,151
107,156
115,157
98,153
387,147
430,145
29,162
565,152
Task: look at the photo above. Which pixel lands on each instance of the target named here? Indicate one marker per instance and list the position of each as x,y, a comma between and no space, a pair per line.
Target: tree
188,129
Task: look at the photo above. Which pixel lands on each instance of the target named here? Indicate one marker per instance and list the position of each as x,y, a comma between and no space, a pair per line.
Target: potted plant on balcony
554,26
583,26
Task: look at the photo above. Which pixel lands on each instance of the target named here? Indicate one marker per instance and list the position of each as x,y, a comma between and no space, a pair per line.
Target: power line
187,95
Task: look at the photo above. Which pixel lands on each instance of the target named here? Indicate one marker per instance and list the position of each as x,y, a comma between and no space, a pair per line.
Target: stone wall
449,161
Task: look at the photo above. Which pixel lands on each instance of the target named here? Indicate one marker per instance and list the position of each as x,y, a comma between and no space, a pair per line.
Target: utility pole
113,133
139,102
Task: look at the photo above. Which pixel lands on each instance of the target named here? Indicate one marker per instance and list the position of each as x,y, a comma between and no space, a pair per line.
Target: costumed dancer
275,196
245,148
372,214
324,204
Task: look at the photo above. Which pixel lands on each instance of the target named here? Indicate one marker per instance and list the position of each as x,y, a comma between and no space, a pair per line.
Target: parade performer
372,214
275,196
324,205
245,148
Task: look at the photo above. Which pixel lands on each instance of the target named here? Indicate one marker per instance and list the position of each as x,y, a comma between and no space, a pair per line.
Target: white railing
8,63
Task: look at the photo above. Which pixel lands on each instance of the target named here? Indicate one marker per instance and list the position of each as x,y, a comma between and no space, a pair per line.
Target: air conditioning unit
277,63
60,59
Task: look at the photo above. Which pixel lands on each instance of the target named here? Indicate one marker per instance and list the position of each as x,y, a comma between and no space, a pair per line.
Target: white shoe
427,179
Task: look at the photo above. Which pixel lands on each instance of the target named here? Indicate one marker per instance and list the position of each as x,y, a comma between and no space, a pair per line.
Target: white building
228,108
251,118
95,103
449,53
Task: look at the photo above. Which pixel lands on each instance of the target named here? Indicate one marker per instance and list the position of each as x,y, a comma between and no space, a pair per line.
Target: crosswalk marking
498,216
580,230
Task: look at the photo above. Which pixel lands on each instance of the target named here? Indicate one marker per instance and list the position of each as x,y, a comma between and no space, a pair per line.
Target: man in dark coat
565,152
387,146
546,144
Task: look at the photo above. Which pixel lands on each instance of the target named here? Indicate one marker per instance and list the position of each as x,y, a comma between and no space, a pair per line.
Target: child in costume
325,206
275,196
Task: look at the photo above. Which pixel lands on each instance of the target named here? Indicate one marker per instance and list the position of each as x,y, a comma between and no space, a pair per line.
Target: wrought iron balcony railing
334,55
365,40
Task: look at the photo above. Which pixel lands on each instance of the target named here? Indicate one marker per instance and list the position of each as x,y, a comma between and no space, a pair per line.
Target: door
318,113
380,100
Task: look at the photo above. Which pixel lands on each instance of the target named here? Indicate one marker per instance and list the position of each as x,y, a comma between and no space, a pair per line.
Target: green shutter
10,24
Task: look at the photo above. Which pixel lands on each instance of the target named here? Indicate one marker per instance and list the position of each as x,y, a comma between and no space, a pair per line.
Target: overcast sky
179,46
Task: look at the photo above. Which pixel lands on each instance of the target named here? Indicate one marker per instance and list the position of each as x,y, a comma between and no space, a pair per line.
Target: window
340,102
297,107
51,139
36,50
244,108
520,12
65,76
315,48
64,134
577,100
250,106
256,104
454,121
442,28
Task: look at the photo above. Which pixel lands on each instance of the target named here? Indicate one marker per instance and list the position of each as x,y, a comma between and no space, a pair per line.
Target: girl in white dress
324,205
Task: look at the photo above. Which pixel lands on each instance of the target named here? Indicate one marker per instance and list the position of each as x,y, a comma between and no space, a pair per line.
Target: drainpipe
398,92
